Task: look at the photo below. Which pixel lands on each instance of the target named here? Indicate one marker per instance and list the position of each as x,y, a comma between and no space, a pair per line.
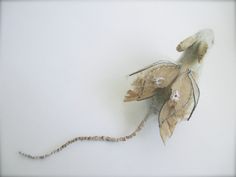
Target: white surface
63,73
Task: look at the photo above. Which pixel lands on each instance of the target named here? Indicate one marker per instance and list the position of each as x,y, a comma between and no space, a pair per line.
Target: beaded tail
89,138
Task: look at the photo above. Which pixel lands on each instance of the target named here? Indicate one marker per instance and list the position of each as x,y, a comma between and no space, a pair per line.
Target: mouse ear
201,51
186,43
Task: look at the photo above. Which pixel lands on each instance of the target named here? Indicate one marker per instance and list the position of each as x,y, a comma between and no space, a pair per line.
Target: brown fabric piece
178,108
149,80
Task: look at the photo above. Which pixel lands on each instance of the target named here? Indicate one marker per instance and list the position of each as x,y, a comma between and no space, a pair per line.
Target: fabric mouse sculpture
173,83
179,82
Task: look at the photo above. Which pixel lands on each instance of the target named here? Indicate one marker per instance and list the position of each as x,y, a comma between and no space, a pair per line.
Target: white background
63,73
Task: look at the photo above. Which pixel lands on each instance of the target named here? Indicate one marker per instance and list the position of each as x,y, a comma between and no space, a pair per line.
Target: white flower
159,80
175,96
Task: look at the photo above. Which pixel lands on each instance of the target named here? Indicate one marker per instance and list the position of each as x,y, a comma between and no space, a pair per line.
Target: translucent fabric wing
149,79
180,105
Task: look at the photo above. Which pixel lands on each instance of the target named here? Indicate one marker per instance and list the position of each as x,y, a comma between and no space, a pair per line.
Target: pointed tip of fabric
164,140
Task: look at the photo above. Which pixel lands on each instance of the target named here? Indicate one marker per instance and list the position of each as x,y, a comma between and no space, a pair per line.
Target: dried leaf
150,79
180,106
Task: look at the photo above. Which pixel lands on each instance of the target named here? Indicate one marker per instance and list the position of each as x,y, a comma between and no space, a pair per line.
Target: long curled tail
89,138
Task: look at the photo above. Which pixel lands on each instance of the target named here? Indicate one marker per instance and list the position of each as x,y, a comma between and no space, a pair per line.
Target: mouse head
201,41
